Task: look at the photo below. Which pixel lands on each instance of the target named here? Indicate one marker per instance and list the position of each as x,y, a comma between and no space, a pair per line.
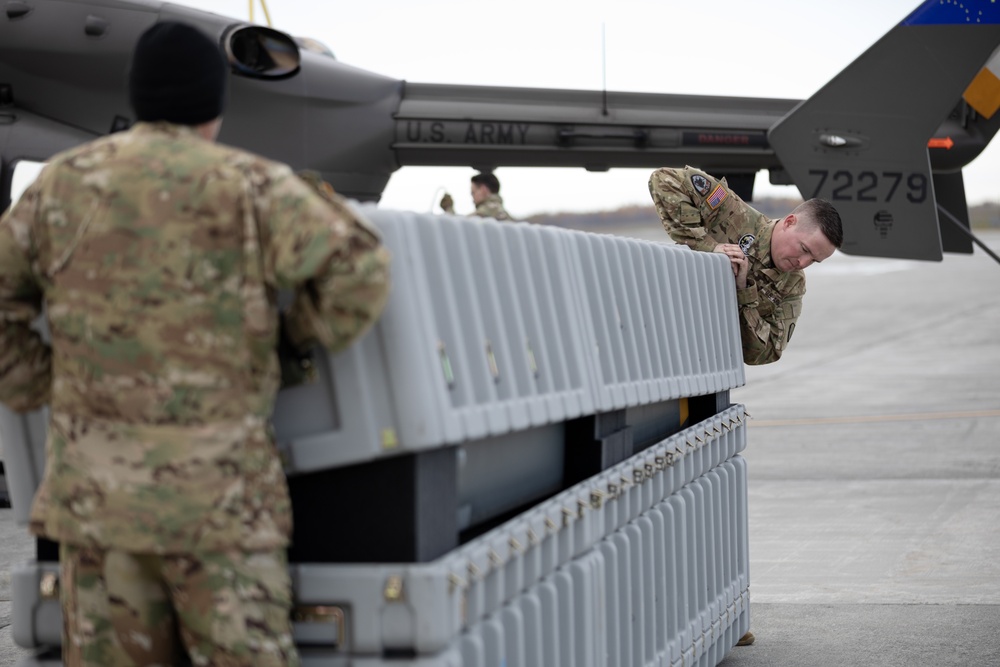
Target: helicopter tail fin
867,141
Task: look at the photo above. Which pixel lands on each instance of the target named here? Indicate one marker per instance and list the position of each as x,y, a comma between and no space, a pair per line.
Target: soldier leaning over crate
158,253
767,256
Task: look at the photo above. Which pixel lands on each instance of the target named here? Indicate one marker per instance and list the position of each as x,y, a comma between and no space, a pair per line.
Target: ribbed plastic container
495,335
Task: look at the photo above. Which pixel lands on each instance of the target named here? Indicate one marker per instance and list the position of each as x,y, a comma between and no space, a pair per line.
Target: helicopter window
262,53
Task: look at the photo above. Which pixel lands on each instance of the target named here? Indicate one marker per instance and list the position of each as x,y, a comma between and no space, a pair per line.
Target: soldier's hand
447,203
740,263
742,268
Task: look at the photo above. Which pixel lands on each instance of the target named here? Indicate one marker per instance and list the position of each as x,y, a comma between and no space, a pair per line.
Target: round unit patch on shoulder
701,184
746,242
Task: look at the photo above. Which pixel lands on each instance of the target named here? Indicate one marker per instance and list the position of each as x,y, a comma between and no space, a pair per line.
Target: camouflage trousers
222,609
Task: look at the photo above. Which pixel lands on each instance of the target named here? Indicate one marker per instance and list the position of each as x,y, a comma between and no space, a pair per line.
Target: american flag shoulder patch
718,196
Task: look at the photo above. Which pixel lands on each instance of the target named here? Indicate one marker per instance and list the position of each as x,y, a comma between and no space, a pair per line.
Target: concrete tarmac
874,458
874,464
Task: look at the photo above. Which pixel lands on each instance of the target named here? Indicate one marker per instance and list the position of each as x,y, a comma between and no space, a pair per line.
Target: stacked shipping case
530,460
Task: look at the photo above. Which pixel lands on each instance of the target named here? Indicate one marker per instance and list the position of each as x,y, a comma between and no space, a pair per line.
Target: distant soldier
485,195
158,254
767,255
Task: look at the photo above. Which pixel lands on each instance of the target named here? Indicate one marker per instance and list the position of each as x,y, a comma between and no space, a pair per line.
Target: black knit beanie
178,75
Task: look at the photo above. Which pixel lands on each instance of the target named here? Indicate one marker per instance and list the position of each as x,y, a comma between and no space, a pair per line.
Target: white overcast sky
761,48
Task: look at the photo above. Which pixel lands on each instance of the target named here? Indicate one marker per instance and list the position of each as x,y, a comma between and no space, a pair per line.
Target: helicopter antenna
263,6
604,72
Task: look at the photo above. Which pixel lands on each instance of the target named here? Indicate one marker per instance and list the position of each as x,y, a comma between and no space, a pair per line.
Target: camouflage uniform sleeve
682,208
25,360
333,259
765,335
493,208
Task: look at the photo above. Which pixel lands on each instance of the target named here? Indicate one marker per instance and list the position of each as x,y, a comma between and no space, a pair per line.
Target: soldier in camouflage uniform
767,255
158,254
485,195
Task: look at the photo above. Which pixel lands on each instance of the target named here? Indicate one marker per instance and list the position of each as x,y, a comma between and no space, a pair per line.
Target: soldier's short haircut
487,178
822,213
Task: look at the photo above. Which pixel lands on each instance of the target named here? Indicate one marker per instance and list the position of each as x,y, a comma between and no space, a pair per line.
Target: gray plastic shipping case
496,340
494,328
646,564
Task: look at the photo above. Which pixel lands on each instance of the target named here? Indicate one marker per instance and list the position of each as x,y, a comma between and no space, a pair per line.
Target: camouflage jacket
492,207
158,256
702,212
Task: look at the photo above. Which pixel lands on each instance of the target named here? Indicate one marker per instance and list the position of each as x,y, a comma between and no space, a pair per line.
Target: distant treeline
985,215
982,215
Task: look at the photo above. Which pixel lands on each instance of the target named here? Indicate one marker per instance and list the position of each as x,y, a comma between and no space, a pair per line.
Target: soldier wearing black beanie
167,249
178,75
